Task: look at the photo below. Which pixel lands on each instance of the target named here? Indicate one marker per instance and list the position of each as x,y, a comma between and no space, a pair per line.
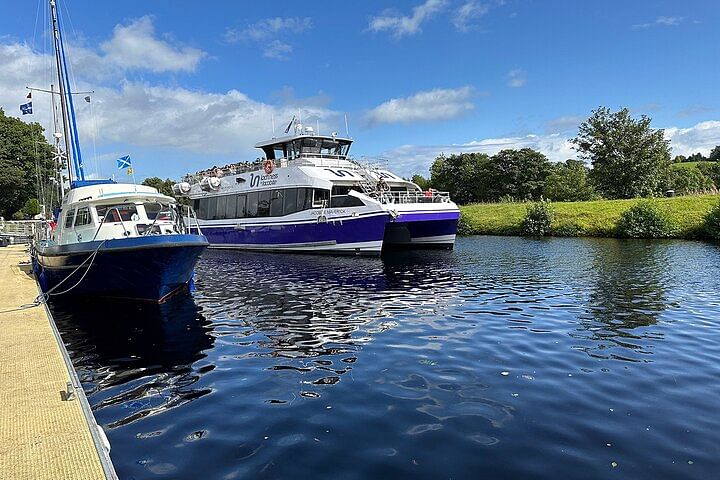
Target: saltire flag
290,124
29,95
26,108
124,162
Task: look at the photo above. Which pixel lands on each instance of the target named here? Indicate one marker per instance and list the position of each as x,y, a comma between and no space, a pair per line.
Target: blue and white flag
26,108
124,162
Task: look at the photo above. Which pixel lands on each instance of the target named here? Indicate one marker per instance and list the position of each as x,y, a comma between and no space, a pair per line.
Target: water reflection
628,292
138,357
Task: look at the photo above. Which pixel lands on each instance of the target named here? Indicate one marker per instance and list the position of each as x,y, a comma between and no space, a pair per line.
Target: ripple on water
559,356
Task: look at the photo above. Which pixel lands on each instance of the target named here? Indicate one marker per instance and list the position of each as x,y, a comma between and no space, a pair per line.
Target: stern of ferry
420,220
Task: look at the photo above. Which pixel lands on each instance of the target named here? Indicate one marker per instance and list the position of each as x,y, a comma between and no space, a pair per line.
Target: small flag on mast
26,108
290,124
87,99
124,162
29,95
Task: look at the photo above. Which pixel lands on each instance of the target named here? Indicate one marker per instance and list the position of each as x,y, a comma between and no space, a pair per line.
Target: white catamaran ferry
307,195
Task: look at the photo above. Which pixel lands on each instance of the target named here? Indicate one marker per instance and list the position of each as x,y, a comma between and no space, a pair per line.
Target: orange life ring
268,166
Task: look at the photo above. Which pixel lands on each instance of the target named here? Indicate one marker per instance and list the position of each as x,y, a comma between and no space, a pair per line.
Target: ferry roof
290,138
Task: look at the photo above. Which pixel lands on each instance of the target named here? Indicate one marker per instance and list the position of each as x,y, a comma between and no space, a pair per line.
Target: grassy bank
591,219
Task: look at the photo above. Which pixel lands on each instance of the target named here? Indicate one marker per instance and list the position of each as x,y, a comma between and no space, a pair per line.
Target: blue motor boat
110,239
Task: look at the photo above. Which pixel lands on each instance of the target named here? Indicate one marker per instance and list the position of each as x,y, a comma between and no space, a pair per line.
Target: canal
506,358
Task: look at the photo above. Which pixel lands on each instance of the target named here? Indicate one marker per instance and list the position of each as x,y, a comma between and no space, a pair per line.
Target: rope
43,297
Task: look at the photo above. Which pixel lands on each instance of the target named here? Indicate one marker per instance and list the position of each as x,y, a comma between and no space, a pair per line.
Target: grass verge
586,219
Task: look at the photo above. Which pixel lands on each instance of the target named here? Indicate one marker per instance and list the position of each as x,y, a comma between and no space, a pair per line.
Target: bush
567,229
464,228
687,181
712,222
538,218
645,220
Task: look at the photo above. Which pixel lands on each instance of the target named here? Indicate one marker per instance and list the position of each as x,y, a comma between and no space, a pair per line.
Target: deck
42,435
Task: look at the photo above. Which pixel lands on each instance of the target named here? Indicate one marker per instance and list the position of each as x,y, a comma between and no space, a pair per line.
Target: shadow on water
136,356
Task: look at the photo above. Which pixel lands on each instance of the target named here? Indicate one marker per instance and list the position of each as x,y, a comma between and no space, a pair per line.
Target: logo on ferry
268,166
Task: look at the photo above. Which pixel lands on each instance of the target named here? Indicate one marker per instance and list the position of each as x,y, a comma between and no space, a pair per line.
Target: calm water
507,358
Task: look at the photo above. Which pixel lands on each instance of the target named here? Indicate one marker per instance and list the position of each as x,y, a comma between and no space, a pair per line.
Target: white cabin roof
114,192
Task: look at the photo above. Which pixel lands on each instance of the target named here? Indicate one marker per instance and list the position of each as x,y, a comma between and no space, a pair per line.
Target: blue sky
181,86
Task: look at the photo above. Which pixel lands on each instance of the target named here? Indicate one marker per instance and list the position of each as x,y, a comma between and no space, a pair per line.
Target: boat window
279,152
345,201
220,213
304,198
231,208
211,208
263,209
82,217
311,145
344,189
159,211
201,208
116,213
241,199
252,204
290,205
320,197
69,217
276,203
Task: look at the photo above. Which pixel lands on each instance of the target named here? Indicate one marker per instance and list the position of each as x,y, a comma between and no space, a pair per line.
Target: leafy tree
569,182
32,207
712,171
25,163
680,159
461,175
520,174
162,186
715,154
686,181
629,158
696,157
421,181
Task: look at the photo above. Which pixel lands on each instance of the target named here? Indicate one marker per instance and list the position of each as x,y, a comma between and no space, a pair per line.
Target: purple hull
422,229
351,235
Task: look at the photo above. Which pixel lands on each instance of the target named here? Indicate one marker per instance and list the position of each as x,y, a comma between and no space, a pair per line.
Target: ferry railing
191,215
430,196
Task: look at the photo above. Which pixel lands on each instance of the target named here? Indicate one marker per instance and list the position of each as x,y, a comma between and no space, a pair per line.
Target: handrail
103,222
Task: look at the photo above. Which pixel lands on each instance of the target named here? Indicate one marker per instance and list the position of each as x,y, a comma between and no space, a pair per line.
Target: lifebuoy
268,166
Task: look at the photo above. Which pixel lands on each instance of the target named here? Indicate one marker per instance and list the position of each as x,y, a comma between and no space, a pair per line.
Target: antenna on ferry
272,119
317,124
347,130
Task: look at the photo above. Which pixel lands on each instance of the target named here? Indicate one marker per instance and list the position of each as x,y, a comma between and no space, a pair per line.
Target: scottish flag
124,162
26,108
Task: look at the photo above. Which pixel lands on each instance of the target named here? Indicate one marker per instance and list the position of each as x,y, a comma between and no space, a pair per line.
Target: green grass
686,165
592,219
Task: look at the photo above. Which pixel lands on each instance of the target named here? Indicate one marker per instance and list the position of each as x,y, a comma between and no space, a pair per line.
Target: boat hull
354,235
422,230
149,268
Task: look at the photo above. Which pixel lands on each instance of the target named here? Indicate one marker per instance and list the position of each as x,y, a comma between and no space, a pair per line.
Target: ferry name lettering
263,180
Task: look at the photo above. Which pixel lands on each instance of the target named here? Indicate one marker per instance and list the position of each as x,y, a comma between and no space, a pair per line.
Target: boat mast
61,84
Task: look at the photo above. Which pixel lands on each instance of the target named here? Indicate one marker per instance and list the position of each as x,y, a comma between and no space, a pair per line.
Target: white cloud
402,25
661,22
564,124
701,137
516,78
140,114
135,46
411,159
463,16
437,104
277,50
265,32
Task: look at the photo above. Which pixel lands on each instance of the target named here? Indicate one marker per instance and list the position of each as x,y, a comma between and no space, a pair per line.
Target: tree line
629,159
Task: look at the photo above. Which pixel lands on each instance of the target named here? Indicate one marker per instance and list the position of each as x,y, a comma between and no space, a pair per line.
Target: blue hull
422,230
350,235
142,268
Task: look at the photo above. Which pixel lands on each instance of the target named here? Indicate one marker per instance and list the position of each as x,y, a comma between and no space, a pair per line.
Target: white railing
431,196
21,231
